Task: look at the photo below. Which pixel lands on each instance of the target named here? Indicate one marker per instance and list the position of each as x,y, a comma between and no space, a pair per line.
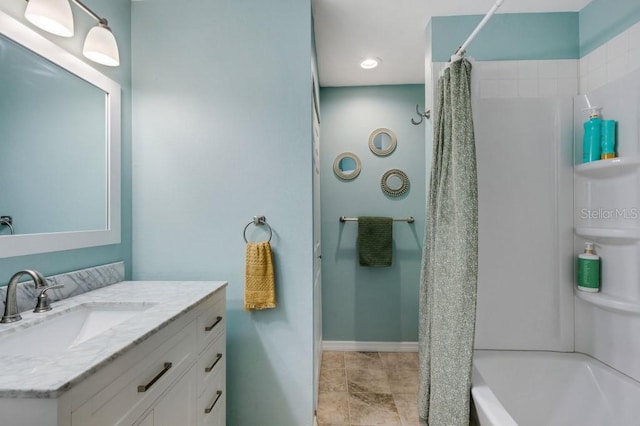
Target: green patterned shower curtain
450,257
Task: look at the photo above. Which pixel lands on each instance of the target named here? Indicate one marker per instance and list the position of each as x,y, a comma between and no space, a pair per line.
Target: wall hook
422,115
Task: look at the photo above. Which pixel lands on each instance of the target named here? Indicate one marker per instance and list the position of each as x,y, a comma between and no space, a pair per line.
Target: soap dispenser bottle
589,270
591,143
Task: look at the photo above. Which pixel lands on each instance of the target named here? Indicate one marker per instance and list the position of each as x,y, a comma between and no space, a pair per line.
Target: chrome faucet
11,313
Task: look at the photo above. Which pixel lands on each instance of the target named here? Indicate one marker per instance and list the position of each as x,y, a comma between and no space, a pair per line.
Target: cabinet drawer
211,322
212,361
212,403
125,399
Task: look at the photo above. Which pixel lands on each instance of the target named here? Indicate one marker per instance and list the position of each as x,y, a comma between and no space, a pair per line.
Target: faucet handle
43,299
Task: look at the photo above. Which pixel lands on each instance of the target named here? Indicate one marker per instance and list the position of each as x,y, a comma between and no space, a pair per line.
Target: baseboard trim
353,346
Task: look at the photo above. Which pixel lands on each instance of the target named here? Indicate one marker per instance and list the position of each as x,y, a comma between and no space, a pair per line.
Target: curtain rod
475,32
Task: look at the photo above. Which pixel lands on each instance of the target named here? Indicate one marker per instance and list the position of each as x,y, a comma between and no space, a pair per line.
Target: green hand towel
375,241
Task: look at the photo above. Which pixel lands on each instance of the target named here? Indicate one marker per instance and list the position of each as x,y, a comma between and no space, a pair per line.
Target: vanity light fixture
370,63
55,16
100,45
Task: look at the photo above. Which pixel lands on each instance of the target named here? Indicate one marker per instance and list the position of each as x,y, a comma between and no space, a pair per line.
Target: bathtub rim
482,394
489,409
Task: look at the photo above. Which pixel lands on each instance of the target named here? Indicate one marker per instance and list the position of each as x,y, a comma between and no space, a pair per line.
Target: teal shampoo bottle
609,136
592,141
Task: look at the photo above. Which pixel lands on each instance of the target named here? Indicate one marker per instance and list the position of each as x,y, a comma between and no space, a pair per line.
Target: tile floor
368,388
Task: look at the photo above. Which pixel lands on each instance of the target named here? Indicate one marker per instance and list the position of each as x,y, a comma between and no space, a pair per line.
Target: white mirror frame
347,176
24,244
394,192
392,144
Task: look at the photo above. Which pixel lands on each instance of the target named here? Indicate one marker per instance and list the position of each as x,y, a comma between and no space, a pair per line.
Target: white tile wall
522,79
547,78
614,59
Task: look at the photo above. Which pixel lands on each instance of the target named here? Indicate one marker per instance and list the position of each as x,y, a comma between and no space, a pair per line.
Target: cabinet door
122,401
178,406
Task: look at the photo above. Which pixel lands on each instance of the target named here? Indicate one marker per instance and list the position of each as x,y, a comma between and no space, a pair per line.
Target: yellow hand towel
259,286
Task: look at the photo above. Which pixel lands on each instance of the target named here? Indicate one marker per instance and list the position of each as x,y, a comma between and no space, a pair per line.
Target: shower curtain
450,258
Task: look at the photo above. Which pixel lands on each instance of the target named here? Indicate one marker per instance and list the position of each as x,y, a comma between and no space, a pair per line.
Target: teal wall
118,13
517,36
602,20
222,130
360,303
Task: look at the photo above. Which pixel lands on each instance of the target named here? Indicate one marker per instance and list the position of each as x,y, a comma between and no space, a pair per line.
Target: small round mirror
394,183
382,142
347,166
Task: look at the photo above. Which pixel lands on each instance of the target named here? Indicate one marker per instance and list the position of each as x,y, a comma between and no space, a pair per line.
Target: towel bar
409,219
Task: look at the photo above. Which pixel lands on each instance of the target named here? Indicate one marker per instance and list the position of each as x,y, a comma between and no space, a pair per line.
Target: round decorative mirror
394,183
382,142
347,166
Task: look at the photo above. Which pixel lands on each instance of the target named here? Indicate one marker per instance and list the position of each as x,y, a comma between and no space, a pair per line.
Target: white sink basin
69,329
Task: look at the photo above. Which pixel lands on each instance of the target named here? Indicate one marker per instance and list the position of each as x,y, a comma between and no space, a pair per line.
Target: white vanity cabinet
172,379
163,367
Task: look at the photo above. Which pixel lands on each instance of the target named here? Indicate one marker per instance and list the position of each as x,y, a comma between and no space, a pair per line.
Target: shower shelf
611,234
609,303
610,168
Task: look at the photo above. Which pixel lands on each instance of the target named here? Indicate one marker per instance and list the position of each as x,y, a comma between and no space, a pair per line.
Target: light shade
53,16
100,46
369,63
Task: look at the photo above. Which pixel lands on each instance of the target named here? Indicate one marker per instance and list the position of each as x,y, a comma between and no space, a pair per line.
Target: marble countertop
44,375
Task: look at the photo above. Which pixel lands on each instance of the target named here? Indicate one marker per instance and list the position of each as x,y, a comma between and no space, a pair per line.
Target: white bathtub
529,388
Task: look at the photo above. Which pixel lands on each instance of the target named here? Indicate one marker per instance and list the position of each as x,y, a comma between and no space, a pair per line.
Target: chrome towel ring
257,221
7,221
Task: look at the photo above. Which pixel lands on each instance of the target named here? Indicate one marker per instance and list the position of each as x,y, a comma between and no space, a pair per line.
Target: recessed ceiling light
369,63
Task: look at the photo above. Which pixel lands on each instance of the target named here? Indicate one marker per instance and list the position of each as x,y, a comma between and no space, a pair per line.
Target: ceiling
348,31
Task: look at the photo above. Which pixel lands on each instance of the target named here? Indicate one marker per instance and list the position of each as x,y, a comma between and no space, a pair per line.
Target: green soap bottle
589,270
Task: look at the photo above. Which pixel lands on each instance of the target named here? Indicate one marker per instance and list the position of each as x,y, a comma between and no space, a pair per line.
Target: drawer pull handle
209,328
167,367
215,401
208,369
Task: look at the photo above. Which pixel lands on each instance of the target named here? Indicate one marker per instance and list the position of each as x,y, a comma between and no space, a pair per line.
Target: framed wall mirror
382,142
59,147
394,183
347,166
